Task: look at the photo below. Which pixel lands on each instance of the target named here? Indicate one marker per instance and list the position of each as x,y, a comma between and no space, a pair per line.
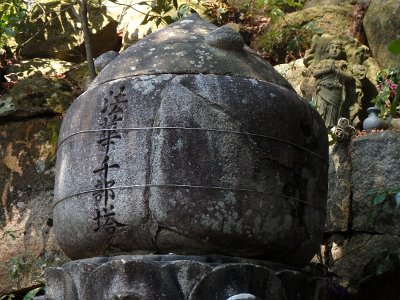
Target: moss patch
36,96
300,27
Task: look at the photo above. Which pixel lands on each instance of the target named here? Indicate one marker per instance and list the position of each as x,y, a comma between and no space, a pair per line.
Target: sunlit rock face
189,143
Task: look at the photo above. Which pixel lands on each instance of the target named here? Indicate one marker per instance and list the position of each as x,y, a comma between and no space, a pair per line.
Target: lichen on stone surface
36,96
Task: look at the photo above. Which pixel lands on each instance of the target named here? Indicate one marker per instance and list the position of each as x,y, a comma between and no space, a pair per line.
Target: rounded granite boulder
182,145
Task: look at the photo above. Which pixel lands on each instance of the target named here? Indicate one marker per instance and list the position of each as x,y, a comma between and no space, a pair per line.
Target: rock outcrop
27,243
381,24
57,32
358,232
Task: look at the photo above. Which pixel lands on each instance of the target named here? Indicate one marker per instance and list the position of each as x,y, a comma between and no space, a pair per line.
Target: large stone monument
188,143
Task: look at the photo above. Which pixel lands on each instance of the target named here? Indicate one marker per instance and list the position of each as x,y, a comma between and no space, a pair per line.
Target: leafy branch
12,12
160,11
379,196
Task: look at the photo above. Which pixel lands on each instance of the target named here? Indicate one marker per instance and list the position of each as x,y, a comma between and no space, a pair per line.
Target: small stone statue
337,65
331,75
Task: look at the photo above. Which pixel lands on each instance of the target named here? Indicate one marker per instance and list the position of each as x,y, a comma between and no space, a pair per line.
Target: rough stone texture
311,3
103,60
330,19
229,169
348,257
79,76
357,231
58,35
39,67
27,242
182,48
374,159
173,277
225,38
36,96
243,161
381,25
339,191
295,72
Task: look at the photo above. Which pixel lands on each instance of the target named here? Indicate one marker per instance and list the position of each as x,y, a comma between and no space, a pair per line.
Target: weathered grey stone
27,241
294,72
339,189
195,163
381,25
225,38
311,3
130,280
36,96
79,76
375,158
103,60
261,282
181,48
173,277
348,257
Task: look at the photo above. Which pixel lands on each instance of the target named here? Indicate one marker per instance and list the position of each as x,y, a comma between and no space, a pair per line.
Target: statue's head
335,49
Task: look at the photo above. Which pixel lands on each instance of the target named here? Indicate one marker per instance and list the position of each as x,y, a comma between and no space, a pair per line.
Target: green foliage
218,11
386,261
294,37
394,46
387,99
11,234
287,42
165,11
23,264
12,12
379,196
16,266
168,11
300,32
275,8
32,293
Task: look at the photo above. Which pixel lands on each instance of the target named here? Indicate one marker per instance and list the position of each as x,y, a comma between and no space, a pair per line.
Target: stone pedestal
175,277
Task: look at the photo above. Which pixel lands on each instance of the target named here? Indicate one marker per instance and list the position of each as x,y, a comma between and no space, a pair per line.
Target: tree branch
83,9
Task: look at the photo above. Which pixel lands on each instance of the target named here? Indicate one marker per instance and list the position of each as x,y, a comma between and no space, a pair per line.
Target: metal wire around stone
195,129
166,185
